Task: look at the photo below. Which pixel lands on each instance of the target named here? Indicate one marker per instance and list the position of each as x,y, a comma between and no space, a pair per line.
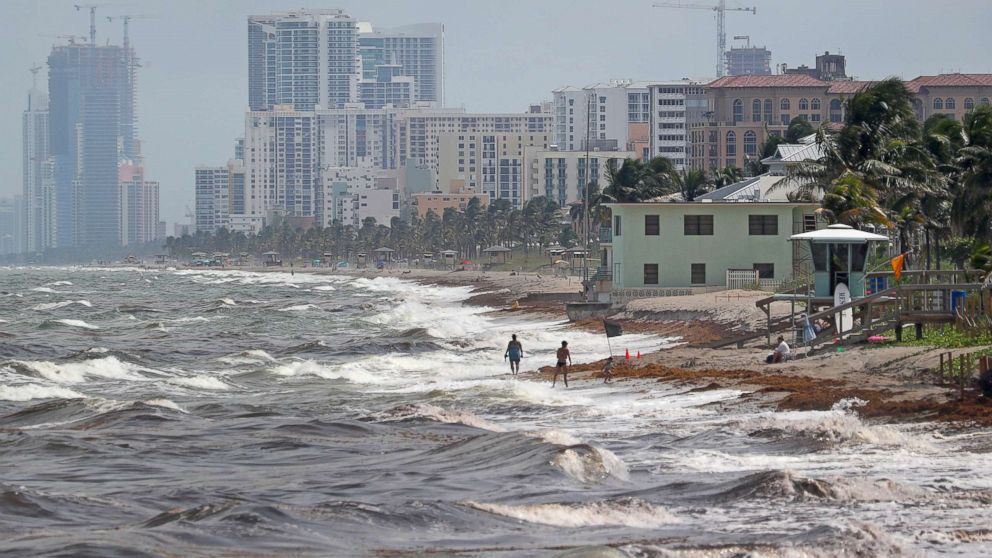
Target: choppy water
205,413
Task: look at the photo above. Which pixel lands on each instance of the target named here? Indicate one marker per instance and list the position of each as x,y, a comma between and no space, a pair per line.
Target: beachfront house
734,237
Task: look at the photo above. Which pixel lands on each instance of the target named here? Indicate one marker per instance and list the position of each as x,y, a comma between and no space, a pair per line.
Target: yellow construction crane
721,34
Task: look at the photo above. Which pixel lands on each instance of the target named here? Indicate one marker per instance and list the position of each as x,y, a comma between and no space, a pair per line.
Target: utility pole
590,104
721,33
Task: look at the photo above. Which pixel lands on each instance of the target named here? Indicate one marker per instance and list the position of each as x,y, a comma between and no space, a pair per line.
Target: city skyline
190,112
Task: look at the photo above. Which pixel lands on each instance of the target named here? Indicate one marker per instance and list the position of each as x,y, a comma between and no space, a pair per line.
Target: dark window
699,225
651,227
698,274
650,274
762,225
616,225
819,257
765,270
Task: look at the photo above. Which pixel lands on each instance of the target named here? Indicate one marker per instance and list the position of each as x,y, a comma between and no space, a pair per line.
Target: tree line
928,183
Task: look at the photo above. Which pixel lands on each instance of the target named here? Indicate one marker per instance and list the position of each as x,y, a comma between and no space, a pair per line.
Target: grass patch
944,336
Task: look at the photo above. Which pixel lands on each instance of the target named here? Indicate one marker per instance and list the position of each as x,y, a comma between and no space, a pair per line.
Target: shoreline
885,384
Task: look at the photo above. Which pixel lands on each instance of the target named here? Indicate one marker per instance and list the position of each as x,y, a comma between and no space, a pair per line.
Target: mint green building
663,248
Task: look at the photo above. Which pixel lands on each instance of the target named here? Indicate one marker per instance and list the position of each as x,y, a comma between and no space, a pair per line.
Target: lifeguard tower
839,254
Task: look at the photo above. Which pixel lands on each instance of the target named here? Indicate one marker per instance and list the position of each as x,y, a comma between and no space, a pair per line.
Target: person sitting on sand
782,352
514,351
608,370
563,356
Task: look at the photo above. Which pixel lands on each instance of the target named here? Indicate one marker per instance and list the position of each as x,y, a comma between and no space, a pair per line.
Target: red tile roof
780,80
950,80
848,86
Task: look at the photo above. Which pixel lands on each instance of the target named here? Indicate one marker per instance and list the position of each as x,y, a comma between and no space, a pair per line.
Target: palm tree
852,202
689,183
727,176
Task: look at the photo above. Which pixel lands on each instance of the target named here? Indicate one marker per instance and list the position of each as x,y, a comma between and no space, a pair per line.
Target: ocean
229,413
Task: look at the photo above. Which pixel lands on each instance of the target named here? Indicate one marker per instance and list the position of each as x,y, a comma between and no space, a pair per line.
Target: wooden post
898,332
919,330
961,380
941,366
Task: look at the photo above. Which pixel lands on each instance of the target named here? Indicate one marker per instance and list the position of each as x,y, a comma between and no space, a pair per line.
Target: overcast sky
500,55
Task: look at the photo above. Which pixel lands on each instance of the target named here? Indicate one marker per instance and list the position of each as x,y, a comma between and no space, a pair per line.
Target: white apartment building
139,205
559,175
349,137
212,187
352,194
281,166
676,106
304,58
618,112
418,51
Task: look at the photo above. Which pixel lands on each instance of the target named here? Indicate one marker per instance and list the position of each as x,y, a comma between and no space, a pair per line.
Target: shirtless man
514,351
564,361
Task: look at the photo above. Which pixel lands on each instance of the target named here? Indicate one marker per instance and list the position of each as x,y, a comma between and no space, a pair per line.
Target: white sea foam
253,356
27,392
300,308
555,436
591,466
188,319
201,381
347,372
60,284
44,290
164,403
77,372
627,512
63,304
426,410
324,288
228,302
838,427
77,323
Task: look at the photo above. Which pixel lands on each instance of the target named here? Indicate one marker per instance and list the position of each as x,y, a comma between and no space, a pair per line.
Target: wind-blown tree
852,202
797,130
727,176
636,181
972,204
689,183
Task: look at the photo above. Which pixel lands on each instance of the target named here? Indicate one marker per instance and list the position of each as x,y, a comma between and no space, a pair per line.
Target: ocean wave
789,485
253,356
77,372
589,464
834,427
70,323
27,392
325,288
60,284
349,372
63,304
628,512
200,381
439,414
300,308
45,290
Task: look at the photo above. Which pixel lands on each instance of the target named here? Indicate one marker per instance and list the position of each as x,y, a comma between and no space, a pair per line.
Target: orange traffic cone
638,355
626,354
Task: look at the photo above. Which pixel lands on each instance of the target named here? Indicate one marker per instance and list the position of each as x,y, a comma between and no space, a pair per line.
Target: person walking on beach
564,361
608,369
514,352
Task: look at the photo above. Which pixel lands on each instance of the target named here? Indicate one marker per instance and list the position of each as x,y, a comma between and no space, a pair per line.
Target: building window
738,111
949,103
815,105
784,105
786,119
765,270
731,143
698,225
616,225
651,225
969,103
768,111
651,274
697,274
761,225
938,103
815,117
836,111
985,101
750,143
756,110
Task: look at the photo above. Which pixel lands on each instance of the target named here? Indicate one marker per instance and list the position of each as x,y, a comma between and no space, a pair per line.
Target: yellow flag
897,265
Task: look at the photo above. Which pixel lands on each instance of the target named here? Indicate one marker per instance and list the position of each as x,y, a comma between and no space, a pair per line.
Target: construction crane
34,75
92,8
721,34
70,38
127,19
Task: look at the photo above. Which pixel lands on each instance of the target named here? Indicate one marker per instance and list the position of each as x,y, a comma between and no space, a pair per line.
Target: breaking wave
628,512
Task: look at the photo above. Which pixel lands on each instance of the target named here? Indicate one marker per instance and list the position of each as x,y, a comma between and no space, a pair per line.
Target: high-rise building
212,198
418,52
487,163
305,58
749,61
610,116
11,226
679,108
280,162
38,186
139,203
87,87
559,175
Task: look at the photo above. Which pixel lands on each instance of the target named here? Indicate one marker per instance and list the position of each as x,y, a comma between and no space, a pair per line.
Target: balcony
605,234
